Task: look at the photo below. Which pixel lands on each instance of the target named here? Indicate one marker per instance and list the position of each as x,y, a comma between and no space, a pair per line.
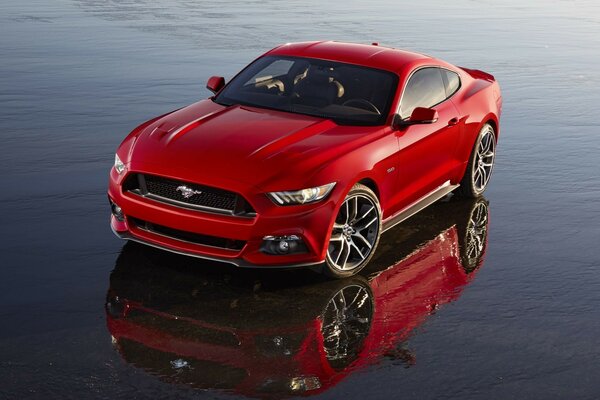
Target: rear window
451,82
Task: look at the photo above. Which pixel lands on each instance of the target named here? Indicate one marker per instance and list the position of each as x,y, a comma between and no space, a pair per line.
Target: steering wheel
362,102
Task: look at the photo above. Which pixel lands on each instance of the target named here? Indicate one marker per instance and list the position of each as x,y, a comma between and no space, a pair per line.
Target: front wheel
355,233
481,164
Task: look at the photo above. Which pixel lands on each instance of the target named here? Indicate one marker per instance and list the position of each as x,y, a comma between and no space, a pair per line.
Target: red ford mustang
307,156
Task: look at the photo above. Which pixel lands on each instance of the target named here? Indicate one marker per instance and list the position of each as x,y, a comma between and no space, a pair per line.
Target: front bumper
238,262
312,223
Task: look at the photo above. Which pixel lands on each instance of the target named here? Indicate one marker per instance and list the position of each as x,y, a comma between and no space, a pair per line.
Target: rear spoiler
477,74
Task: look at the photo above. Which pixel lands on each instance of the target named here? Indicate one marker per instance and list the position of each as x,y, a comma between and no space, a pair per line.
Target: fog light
116,211
281,245
284,246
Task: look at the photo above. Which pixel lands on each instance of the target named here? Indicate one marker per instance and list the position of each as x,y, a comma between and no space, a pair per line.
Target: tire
355,233
480,166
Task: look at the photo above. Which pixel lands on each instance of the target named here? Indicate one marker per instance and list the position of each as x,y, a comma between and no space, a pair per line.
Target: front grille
190,237
200,197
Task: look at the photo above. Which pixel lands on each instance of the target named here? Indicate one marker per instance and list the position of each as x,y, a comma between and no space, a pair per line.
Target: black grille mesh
165,189
209,197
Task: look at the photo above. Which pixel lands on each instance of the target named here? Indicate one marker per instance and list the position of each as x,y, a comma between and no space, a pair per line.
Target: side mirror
215,83
420,115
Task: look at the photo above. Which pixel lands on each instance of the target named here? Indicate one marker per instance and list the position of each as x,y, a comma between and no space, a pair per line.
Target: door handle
453,121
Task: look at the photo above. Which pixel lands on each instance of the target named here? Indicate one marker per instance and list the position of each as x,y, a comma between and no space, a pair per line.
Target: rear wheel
355,233
481,164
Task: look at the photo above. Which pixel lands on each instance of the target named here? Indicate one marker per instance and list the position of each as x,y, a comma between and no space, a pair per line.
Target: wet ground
491,299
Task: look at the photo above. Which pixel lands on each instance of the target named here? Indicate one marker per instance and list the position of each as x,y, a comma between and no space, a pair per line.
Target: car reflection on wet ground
290,333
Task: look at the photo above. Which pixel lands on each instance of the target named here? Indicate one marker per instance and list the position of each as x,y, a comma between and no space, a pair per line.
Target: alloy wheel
355,232
484,160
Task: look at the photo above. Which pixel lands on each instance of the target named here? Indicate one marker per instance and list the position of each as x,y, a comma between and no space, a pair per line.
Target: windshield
348,94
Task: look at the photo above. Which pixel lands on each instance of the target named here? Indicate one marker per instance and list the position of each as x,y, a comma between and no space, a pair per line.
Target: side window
424,89
451,81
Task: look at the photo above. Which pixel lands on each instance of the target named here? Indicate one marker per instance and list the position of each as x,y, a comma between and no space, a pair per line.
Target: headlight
303,196
119,166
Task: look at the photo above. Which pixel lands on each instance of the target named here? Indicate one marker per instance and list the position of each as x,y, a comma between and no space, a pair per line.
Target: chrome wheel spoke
361,227
483,174
362,239
362,257
364,215
477,176
347,255
483,178
347,204
339,255
487,142
353,209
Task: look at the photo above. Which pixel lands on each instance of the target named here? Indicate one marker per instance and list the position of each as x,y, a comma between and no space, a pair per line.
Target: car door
426,151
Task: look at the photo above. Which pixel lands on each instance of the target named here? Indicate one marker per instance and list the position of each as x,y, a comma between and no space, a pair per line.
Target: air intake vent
189,237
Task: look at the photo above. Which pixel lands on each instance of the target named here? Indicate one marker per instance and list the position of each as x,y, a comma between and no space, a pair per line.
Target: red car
294,335
307,156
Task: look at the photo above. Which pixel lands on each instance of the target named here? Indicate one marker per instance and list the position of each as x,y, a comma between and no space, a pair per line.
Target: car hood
212,144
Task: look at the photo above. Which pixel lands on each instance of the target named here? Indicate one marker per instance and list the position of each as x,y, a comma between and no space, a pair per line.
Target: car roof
374,56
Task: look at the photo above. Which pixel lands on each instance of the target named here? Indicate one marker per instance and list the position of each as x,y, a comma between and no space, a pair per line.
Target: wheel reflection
346,322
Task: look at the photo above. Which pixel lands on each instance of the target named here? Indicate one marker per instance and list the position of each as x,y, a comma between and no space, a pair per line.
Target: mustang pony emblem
187,192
